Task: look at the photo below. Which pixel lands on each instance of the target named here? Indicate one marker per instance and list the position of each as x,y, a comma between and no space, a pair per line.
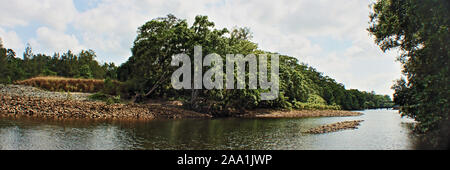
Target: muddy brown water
381,129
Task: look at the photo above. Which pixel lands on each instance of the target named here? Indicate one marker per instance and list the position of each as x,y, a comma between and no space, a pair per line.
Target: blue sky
329,35
84,5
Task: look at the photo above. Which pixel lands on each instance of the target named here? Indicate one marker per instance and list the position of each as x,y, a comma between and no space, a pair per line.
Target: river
381,130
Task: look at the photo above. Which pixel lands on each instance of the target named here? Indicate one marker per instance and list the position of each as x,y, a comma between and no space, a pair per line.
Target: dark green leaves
420,30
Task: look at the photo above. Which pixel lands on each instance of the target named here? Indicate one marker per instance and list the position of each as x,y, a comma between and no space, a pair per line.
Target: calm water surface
381,129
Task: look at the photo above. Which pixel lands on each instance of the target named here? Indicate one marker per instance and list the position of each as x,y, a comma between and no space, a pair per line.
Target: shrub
314,106
99,96
316,99
109,101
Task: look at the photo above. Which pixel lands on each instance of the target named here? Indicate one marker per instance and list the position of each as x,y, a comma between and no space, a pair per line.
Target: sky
329,35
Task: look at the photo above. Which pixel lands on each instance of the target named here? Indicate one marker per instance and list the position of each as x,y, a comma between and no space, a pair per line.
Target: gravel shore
24,101
28,91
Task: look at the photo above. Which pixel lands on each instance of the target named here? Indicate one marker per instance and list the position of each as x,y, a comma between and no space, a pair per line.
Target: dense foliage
420,29
148,71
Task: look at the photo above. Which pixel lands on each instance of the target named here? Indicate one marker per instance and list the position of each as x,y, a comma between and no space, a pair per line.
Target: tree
111,70
85,71
11,68
87,57
147,71
420,29
157,41
66,65
3,63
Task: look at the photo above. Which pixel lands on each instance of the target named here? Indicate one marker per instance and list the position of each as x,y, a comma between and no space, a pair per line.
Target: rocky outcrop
335,127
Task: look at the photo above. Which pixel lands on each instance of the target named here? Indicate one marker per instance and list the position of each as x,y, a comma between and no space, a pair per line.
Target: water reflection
382,129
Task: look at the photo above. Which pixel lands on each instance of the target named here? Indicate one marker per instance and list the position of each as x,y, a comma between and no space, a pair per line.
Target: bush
111,87
109,101
99,96
314,106
316,99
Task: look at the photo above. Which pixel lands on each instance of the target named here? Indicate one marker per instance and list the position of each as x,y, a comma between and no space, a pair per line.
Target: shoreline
26,101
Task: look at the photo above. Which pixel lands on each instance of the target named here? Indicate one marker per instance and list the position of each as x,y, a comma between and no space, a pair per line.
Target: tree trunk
194,94
160,81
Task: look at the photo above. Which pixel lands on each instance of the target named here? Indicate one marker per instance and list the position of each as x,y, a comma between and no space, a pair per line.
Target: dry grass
64,84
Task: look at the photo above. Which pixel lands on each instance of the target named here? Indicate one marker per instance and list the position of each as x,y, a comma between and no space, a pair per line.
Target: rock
30,101
335,127
27,91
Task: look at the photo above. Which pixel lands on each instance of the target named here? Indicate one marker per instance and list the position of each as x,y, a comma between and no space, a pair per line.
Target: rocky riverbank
19,100
335,127
23,101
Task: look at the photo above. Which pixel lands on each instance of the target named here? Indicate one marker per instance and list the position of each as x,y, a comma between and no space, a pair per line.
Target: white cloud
49,41
55,13
10,39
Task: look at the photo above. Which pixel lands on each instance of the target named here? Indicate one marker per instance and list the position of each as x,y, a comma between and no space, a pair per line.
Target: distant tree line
81,65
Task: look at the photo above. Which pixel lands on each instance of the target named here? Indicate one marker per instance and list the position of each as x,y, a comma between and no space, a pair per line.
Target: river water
381,130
